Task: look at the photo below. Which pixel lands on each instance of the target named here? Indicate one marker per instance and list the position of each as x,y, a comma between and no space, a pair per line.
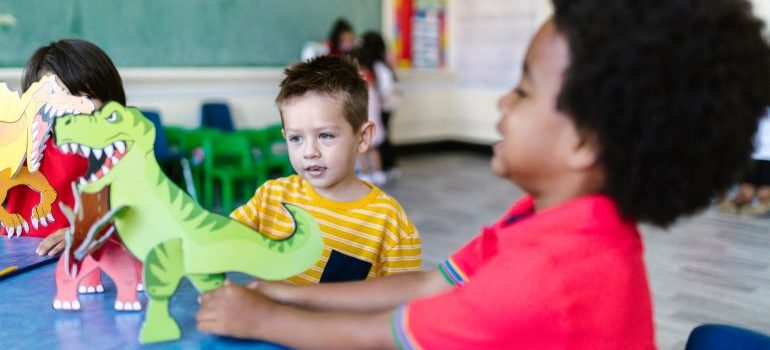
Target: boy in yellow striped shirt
323,106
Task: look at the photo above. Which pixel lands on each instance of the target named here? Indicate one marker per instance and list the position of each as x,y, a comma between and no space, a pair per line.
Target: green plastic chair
276,150
175,137
258,143
192,147
228,161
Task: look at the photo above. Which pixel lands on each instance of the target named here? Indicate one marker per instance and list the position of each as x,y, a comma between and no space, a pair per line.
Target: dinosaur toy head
36,109
105,137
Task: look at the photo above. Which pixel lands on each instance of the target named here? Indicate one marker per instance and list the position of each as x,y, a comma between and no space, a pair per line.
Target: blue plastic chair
166,155
217,116
723,337
163,151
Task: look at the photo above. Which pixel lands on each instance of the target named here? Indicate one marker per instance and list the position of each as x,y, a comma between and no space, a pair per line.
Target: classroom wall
179,33
437,105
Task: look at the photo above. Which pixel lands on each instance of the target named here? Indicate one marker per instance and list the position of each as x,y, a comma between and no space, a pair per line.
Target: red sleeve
462,265
60,170
510,301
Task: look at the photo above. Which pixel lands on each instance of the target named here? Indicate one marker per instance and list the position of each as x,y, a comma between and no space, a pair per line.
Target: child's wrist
267,319
276,291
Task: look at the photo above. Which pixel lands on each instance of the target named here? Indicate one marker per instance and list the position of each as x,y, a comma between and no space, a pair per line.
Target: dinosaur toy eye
113,117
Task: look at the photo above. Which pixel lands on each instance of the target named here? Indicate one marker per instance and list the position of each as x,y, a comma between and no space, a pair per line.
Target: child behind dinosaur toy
85,70
323,106
627,111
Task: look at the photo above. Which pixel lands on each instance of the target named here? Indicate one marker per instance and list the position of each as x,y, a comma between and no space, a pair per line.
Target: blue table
27,320
20,253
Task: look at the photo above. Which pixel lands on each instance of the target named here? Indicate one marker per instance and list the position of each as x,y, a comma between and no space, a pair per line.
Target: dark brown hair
337,77
82,66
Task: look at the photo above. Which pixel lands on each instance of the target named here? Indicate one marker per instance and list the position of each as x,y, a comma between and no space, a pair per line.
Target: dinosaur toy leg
41,213
91,207
205,282
67,286
117,263
92,283
138,265
13,223
163,269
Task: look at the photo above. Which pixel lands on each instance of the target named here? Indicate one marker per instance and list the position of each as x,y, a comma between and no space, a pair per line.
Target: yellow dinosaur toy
25,125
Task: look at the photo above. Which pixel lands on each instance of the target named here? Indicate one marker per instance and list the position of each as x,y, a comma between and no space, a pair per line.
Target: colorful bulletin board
420,37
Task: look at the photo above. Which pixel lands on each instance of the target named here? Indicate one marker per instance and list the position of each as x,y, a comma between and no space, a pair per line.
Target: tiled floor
710,268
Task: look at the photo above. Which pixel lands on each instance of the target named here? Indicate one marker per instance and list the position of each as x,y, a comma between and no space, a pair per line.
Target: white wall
762,9
179,92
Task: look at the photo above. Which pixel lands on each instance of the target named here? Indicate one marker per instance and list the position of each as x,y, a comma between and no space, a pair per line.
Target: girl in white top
382,95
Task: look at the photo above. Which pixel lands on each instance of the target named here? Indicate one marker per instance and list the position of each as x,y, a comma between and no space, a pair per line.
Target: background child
323,104
621,115
388,93
756,180
369,162
340,42
85,70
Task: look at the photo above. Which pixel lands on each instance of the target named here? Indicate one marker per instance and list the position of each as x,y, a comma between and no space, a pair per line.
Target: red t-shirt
570,277
61,170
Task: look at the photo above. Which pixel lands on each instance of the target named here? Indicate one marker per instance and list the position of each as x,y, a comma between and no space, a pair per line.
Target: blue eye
326,136
294,139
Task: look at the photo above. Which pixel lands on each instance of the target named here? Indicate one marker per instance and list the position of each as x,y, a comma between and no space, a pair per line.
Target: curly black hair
672,90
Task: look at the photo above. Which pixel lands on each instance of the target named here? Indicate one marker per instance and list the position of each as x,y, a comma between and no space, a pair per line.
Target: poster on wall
420,36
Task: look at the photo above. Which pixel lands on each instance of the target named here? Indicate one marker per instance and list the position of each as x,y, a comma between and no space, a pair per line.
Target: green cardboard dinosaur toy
164,228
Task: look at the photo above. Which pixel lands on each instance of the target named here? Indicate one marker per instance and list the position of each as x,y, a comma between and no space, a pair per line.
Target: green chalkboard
180,33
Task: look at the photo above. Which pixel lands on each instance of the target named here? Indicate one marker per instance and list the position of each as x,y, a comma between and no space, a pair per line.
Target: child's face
322,144
538,140
347,40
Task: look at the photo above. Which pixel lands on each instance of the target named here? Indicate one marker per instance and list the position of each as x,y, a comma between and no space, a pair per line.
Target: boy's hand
53,244
233,310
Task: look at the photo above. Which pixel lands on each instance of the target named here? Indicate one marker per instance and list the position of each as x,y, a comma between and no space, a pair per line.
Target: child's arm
382,293
240,312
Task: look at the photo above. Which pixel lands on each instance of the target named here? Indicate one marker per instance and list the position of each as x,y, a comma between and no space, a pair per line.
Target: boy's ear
366,136
586,152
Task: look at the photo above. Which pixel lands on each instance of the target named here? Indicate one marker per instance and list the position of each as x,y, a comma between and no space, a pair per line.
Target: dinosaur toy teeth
100,160
40,131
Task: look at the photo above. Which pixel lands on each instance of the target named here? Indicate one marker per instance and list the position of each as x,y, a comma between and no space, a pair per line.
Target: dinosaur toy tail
260,256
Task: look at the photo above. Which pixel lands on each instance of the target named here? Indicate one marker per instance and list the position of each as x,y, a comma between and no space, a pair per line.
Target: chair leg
208,189
188,179
227,195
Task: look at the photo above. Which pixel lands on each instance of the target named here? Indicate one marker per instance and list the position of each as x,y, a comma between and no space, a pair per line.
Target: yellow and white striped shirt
366,238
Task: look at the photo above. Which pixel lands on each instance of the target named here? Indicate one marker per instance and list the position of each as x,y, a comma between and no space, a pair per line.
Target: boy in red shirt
625,112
